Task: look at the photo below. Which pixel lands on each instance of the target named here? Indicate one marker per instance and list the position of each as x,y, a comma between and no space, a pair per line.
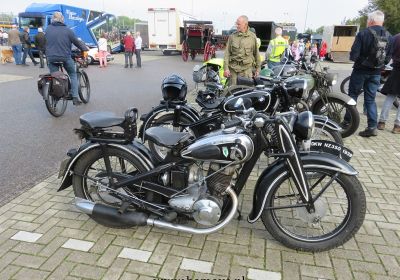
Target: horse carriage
198,38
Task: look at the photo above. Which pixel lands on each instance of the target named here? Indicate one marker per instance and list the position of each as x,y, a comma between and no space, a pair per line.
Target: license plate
63,167
331,148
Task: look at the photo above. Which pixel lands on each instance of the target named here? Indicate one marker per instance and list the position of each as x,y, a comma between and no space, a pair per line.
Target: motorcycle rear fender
275,171
341,96
187,111
327,122
135,148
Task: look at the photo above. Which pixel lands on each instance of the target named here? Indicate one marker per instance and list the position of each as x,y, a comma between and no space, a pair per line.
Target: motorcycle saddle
100,119
165,137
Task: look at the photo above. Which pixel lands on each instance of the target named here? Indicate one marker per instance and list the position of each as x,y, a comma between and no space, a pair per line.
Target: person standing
276,49
295,50
241,52
5,38
392,88
323,50
26,45
40,43
138,46
369,53
129,46
302,47
102,43
58,48
15,42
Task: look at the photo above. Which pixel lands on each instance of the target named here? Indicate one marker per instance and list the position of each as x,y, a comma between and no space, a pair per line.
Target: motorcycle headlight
303,127
331,79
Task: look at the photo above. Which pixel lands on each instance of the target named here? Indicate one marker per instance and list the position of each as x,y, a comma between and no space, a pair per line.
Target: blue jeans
28,51
370,84
69,65
17,52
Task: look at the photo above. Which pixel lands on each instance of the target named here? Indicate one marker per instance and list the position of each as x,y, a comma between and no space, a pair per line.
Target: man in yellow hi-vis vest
276,49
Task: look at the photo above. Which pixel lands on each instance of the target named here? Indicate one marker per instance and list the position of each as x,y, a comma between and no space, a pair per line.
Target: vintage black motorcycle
309,201
174,112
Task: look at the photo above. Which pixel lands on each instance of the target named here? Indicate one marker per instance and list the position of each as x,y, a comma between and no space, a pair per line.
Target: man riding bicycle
58,48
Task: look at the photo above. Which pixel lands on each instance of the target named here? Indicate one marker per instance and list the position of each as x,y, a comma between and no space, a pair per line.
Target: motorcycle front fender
327,122
147,119
341,96
135,148
274,172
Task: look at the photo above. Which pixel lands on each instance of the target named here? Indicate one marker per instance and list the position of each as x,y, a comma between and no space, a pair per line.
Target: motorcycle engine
202,199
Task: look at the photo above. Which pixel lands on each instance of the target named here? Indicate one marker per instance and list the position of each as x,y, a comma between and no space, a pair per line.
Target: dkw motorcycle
308,201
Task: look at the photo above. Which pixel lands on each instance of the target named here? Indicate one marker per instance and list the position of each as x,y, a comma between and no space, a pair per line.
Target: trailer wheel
185,51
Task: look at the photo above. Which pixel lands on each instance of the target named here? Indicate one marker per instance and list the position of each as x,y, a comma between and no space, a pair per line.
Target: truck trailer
166,29
265,30
339,40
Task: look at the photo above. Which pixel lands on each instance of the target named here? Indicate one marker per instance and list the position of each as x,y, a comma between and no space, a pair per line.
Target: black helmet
174,87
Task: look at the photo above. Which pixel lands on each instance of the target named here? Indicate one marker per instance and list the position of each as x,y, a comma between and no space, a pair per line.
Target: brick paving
42,236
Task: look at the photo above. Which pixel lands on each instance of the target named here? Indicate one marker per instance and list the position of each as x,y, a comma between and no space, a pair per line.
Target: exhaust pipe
111,214
129,218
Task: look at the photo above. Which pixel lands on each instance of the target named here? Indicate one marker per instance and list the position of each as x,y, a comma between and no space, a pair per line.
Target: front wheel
322,132
56,106
83,86
338,215
335,109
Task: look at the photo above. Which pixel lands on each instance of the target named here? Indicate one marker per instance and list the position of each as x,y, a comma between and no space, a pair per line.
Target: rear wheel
167,121
335,109
84,86
91,178
185,51
339,210
56,106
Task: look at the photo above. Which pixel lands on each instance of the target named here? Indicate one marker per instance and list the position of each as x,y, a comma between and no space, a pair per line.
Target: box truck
166,29
339,39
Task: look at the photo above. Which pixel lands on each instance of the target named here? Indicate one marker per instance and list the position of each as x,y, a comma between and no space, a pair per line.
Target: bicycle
57,105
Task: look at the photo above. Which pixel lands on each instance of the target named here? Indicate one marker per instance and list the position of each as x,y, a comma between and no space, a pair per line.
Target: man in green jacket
241,54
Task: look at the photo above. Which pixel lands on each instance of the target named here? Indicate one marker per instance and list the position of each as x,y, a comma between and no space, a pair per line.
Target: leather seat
163,136
100,119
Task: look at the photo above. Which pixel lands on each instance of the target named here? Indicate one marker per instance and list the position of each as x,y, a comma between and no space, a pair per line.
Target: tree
309,31
320,30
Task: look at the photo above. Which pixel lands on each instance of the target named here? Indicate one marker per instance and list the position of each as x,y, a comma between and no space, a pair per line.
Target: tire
325,133
336,111
166,121
83,86
56,106
344,86
92,164
328,207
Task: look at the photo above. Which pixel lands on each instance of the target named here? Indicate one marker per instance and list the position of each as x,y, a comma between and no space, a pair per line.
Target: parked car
93,56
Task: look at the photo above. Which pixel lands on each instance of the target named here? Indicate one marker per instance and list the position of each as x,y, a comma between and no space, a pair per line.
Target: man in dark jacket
366,74
59,40
26,45
40,43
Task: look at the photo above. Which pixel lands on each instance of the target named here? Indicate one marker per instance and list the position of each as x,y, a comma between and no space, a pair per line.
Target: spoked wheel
91,180
322,132
207,51
84,86
339,210
166,121
335,109
185,51
56,106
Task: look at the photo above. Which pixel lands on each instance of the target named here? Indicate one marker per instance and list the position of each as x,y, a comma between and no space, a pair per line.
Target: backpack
377,55
59,84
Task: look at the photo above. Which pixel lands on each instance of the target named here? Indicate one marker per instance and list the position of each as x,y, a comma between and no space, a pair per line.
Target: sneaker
381,125
368,132
76,101
396,129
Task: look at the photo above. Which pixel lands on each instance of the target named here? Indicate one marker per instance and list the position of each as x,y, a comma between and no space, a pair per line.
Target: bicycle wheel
84,86
340,208
56,106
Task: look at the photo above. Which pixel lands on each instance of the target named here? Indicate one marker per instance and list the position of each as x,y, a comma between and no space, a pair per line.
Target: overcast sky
223,13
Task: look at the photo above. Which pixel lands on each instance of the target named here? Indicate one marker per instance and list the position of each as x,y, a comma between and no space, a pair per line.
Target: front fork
291,153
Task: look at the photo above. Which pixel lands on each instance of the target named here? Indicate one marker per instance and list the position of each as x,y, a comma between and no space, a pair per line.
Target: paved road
33,142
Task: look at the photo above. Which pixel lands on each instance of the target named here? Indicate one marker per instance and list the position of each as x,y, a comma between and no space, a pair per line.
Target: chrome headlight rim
304,125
